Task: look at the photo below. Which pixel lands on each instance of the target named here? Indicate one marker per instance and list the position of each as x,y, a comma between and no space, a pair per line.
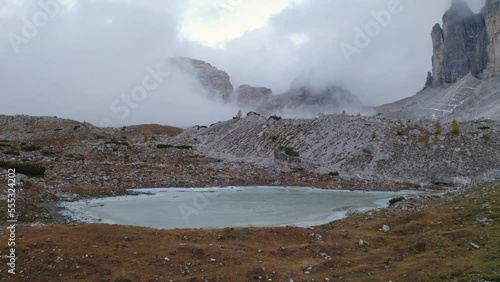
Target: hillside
468,99
359,148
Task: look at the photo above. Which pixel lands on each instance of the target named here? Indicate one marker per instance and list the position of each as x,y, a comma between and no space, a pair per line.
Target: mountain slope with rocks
360,148
468,99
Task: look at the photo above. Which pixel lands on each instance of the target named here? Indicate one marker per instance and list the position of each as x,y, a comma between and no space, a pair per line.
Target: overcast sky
76,59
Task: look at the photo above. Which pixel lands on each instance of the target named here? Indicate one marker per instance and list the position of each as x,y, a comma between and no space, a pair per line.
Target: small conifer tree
455,127
15,145
437,128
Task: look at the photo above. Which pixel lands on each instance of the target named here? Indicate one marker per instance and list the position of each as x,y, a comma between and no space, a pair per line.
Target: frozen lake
170,208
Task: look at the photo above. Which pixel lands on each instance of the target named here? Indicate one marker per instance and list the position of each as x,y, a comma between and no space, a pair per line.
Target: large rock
216,82
437,57
251,97
460,46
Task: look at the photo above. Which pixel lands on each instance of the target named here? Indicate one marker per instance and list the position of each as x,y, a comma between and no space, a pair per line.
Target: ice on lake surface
170,208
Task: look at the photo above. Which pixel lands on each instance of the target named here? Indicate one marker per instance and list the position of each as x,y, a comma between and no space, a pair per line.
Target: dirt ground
457,238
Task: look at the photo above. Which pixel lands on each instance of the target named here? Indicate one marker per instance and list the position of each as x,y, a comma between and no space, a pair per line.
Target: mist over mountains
95,54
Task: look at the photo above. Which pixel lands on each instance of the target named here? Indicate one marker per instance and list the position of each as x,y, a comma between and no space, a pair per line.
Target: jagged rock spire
460,46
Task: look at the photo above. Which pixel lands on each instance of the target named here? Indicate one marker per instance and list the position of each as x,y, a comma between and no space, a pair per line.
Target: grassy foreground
457,238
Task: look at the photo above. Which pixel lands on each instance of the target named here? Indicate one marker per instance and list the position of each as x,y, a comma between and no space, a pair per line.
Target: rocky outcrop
492,19
216,82
466,59
251,97
459,47
304,99
437,57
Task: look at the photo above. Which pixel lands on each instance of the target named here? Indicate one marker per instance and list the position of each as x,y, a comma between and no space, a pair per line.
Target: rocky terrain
83,160
362,148
468,99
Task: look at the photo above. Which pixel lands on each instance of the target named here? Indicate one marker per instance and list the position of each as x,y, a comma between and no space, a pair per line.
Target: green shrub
455,127
163,146
396,200
168,146
58,129
48,153
437,128
15,145
25,168
374,134
274,138
483,127
275,117
76,157
336,173
184,147
289,151
11,152
30,148
113,141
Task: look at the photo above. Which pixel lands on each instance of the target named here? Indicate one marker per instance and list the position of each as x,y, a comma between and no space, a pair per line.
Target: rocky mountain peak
460,47
215,81
458,9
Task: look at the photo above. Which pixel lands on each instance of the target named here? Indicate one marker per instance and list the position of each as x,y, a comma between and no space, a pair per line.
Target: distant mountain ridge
303,99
